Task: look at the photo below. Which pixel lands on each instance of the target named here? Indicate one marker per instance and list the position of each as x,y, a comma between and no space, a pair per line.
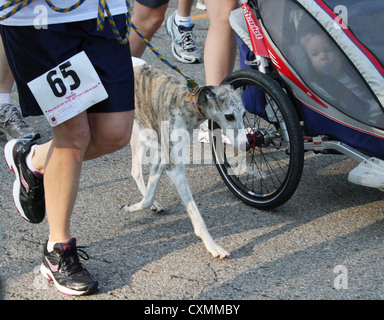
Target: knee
120,139
156,22
111,141
150,24
110,132
73,137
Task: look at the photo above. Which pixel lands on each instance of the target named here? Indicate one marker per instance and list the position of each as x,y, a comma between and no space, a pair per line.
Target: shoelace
13,116
70,261
187,39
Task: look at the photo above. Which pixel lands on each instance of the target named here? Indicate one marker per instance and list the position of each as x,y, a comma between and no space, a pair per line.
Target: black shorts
152,3
32,52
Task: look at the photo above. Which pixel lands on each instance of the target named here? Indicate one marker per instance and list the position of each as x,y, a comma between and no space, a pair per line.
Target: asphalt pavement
325,243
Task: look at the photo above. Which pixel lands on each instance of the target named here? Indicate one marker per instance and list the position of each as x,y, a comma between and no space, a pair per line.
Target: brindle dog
165,112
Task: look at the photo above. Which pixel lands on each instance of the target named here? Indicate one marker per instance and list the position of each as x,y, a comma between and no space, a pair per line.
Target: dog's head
223,105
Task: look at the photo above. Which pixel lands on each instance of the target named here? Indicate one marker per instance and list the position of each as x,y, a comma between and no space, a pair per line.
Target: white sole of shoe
47,274
8,154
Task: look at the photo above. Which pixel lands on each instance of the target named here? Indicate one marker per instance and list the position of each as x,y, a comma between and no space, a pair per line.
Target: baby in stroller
335,81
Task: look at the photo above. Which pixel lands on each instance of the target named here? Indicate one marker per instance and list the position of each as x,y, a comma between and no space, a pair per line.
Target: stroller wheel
268,173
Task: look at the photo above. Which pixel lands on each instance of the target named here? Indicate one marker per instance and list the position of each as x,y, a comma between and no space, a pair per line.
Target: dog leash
192,85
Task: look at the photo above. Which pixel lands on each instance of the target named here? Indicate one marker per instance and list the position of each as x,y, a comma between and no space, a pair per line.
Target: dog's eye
230,117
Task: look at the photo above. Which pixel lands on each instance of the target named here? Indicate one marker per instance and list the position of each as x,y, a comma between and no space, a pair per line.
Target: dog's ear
206,93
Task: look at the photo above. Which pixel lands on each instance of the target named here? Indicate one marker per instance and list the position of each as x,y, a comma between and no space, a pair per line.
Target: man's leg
219,63
12,123
84,137
148,21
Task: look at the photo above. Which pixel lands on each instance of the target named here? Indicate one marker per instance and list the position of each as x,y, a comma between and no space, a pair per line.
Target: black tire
267,175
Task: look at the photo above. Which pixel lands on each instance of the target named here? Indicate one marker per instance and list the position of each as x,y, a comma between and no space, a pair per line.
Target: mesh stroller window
359,17
319,61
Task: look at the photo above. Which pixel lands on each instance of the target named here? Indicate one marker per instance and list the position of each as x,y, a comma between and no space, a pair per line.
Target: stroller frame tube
257,37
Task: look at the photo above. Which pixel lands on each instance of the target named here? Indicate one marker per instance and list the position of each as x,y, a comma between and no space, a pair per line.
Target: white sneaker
13,125
183,41
201,5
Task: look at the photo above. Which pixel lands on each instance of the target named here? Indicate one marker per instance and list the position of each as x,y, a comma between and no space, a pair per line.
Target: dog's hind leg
177,175
138,151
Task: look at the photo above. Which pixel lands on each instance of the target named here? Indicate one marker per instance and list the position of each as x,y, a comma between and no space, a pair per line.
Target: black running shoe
28,188
62,265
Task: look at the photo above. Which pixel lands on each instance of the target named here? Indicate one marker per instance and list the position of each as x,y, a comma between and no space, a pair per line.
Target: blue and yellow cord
102,9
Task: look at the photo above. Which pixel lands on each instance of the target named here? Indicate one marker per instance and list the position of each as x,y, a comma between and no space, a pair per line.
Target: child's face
324,55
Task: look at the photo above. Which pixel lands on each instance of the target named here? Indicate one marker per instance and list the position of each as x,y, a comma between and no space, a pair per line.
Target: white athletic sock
183,21
50,246
29,159
5,98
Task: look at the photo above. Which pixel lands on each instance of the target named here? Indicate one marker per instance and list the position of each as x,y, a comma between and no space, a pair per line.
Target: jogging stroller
311,78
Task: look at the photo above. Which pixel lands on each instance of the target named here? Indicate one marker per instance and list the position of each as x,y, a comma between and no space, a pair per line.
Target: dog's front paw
125,208
157,207
221,254
217,251
132,208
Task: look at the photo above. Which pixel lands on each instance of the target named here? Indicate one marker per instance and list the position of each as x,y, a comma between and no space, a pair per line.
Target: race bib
68,89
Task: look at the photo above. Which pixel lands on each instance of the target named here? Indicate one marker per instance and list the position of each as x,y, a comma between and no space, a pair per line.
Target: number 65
56,81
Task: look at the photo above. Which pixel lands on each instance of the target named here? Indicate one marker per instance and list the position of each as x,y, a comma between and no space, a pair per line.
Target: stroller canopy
336,48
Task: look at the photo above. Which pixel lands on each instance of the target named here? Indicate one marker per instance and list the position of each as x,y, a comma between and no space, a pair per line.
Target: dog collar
191,97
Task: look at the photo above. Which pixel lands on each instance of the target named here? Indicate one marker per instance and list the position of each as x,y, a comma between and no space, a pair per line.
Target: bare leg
184,8
83,137
6,76
148,21
219,63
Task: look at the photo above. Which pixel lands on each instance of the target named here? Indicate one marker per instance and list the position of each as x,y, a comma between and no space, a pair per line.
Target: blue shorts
32,52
